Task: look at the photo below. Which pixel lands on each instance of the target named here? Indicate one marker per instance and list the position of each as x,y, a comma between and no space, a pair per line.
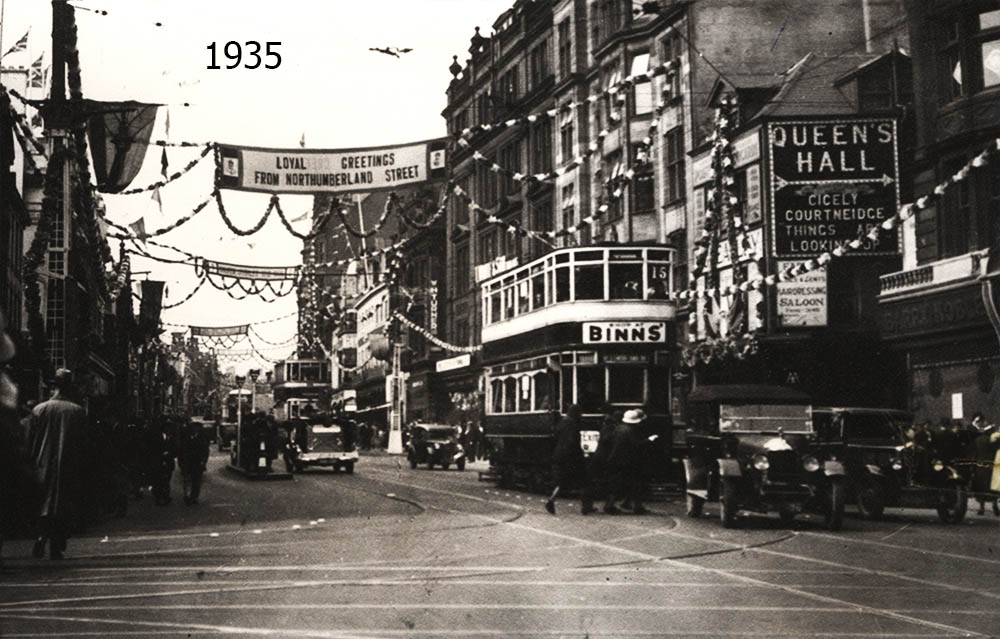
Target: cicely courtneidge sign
832,181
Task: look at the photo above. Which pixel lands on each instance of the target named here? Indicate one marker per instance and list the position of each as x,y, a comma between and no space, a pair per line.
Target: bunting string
190,165
128,233
434,338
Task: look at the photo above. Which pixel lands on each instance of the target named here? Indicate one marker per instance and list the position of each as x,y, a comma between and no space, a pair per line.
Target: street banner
243,272
361,170
832,182
218,331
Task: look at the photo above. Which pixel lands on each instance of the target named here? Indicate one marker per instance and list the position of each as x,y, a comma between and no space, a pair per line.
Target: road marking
730,574
870,542
415,581
453,606
898,530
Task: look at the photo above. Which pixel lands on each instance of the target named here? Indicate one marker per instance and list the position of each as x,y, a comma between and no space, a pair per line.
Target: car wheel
445,465
787,515
727,503
695,505
954,502
460,465
835,506
871,500
430,465
349,468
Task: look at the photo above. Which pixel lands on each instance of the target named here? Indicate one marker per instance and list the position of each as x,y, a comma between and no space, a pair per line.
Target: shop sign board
363,170
624,332
453,363
831,182
802,301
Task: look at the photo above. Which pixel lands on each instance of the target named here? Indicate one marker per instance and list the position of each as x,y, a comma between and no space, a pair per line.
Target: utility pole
397,390
237,445
253,373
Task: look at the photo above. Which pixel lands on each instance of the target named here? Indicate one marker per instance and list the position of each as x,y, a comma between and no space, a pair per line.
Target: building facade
940,311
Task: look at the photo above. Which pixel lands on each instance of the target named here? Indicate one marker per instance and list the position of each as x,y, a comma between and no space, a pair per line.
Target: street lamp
254,373
237,447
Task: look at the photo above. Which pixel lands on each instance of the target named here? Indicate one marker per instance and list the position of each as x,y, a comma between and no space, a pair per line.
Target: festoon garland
434,338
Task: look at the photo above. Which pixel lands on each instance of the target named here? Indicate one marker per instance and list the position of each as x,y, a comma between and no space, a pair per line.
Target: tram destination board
833,181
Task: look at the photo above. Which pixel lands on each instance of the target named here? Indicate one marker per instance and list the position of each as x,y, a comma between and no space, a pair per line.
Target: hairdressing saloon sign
832,181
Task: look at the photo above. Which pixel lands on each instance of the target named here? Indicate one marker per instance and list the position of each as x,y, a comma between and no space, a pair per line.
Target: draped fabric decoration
150,305
119,135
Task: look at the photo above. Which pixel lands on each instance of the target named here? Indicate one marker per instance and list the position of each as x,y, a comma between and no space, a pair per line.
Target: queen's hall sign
831,182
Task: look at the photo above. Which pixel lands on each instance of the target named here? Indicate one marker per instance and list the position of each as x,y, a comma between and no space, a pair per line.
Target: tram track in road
641,557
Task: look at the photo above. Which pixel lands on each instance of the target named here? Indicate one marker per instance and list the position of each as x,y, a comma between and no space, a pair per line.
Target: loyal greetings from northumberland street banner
247,168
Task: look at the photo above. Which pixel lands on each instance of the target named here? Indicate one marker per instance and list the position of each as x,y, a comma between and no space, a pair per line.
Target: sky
329,89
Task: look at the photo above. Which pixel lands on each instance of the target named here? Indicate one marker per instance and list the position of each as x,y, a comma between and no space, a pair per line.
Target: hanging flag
166,124
302,140
119,135
138,227
151,304
163,162
156,198
36,75
20,45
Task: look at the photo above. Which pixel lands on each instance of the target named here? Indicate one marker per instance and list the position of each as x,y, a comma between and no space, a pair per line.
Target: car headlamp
937,465
760,462
437,446
810,463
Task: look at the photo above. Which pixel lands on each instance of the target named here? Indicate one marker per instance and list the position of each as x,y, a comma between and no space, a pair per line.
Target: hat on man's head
63,379
634,416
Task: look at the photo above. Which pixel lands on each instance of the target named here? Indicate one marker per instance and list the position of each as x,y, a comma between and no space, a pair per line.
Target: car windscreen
755,418
440,433
872,427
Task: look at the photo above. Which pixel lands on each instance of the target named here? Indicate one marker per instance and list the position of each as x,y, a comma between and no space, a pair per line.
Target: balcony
621,283
961,269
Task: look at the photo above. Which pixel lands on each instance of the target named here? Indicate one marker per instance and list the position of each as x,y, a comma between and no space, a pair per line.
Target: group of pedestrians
62,467
619,464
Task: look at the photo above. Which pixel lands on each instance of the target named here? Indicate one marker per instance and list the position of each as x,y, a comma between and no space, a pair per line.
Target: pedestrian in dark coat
57,439
568,462
165,445
192,458
624,461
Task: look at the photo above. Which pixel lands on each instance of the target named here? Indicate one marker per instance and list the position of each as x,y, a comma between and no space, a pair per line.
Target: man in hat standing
56,442
623,463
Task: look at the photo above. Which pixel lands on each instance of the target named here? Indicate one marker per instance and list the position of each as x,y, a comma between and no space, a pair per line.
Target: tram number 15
233,51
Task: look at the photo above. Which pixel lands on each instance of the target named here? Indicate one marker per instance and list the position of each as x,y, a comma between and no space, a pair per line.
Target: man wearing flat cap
56,436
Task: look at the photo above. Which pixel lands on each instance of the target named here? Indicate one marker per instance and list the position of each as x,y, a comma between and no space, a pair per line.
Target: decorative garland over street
152,187
434,338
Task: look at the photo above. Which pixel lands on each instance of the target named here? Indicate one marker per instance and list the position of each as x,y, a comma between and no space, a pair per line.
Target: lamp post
238,446
253,373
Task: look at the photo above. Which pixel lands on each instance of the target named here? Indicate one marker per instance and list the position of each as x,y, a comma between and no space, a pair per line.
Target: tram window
659,388
590,282
496,393
626,384
538,291
524,394
626,281
590,388
495,308
508,302
510,395
523,297
567,388
562,284
543,391
659,281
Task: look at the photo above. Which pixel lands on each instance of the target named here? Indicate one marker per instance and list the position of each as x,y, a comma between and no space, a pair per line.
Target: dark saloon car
892,462
753,447
435,444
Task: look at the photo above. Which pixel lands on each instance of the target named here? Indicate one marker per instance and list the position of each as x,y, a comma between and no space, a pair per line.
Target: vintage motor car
435,444
209,427
890,462
753,447
321,442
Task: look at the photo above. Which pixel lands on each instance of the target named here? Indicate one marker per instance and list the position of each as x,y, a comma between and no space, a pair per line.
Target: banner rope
152,187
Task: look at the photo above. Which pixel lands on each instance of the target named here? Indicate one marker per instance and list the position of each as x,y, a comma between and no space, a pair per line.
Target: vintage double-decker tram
591,326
